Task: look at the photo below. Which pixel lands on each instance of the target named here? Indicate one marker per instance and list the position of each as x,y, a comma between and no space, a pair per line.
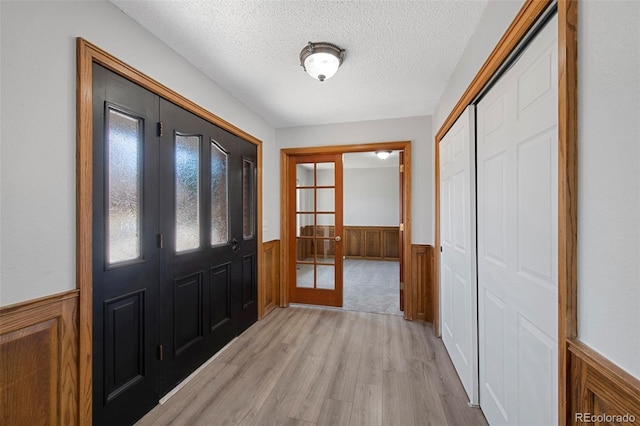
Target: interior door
458,279
517,162
316,235
207,221
125,253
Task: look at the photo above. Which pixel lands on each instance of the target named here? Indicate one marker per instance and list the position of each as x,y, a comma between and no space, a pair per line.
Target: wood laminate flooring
314,366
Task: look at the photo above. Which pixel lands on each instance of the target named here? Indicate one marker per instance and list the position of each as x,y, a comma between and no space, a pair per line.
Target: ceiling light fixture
383,155
321,60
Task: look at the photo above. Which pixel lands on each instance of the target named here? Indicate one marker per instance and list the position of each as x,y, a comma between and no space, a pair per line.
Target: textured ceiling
399,54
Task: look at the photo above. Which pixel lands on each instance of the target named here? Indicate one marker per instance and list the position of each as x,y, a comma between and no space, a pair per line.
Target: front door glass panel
124,187
219,196
187,190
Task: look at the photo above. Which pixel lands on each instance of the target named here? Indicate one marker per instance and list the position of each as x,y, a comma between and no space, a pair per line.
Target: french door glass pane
325,277
187,174
304,275
305,174
325,174
219,196
248,199
124,187
304,200
326,199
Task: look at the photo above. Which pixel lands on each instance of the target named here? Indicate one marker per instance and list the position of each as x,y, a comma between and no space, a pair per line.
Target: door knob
338,238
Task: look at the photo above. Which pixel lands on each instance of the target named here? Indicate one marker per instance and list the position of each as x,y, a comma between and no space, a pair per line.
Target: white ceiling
399,53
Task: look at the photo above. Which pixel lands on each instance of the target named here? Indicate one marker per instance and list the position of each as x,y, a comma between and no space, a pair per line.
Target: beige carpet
371,286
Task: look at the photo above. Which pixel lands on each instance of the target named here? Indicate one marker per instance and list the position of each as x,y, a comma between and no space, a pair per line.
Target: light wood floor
308,366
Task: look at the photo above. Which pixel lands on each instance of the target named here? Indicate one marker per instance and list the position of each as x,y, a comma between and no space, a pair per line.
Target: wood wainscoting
271,276
39,367
372,242
422,278
599,391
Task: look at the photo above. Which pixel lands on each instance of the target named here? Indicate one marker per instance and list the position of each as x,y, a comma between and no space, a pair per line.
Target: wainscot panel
422,257
39,368
600,392
271,274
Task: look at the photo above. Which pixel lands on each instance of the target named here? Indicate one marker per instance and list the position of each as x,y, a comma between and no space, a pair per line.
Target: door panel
207,215
125,255
458,282
517,238
316,275
175,245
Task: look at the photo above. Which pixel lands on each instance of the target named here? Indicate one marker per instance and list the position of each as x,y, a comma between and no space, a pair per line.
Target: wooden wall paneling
39,368
390,243
422,281
600,389
352,241
372,243
271,274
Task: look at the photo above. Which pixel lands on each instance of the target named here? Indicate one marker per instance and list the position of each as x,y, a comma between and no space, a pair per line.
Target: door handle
234,247
338,238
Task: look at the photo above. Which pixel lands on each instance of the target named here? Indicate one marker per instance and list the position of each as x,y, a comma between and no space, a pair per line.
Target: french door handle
234,247
338,238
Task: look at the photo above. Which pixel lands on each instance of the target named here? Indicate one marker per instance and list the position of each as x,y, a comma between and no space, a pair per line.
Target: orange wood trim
286,200
87,54
567,168
39,368
567,194
271,274
598,386
422,282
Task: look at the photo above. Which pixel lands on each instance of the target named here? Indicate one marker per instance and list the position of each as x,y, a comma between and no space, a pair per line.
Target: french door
315,274
174,244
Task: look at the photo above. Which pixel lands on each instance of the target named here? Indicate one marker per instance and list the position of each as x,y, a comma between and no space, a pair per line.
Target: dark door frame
86,55
410,292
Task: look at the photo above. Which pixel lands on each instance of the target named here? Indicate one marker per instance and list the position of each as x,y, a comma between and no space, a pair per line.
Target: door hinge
401,168
401,285
160,241
402,227
160,128
160,353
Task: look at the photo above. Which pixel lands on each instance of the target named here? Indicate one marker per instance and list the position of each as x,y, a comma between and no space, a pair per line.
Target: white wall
38,126
414,129
609,180
371,196
608,164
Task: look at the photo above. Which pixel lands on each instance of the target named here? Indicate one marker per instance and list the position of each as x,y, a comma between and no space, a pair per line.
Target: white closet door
517,161
458,258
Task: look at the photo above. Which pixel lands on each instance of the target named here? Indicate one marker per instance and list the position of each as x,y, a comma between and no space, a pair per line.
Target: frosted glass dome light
321,60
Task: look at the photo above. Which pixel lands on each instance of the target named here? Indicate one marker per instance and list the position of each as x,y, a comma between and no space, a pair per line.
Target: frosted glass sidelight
187,175
124,187
219,196
248,199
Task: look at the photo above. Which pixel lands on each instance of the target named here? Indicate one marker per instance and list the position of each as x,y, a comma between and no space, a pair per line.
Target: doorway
174,244
289,229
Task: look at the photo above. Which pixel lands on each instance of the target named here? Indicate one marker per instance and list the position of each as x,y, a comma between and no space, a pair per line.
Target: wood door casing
87,55
287,201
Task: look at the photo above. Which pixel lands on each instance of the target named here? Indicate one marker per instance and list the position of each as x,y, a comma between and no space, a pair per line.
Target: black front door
208,262
174,251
